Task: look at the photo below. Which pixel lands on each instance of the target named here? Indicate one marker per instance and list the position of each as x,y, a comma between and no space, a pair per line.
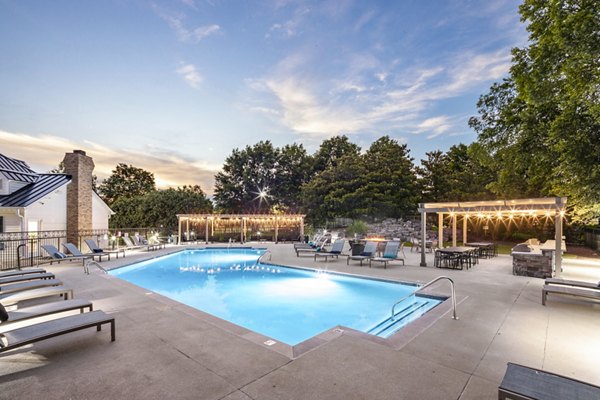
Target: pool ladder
264,254
86,266
439,278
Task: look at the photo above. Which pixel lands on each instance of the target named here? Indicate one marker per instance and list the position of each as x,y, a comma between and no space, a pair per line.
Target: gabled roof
17,170
45,184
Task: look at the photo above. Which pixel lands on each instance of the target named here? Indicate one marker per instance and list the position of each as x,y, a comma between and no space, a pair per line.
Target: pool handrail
263,254
453,295
86,267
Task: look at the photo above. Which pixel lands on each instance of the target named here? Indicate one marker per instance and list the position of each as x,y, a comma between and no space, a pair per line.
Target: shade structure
553,207
240,226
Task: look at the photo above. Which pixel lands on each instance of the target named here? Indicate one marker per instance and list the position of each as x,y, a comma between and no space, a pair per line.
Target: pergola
241,222
550,207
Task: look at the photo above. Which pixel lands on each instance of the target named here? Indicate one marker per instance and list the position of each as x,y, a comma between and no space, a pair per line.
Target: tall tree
332,150
294,168
542,124
126,181
391,183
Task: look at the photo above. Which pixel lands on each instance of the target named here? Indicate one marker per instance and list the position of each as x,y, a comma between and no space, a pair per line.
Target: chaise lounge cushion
60,254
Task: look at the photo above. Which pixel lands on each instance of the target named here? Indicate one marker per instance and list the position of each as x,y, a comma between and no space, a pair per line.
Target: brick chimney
79,193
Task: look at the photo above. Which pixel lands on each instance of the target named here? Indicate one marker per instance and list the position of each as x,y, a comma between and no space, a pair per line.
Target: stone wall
79,193
535,265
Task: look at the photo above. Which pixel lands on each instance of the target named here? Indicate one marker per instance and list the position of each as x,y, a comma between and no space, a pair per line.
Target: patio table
457,256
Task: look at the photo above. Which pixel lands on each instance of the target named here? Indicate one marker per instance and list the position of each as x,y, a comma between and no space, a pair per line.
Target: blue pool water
289,305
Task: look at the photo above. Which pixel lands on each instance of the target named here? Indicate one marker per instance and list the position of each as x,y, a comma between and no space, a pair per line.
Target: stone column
79,193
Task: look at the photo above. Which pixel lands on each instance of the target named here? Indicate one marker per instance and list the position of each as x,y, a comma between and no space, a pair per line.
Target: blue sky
174,86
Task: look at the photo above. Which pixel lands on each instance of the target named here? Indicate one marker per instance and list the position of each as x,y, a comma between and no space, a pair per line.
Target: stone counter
538,265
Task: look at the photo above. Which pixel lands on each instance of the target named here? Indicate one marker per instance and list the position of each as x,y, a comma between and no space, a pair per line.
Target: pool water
289,305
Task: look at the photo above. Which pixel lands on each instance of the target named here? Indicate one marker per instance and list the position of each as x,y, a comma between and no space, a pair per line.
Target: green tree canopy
126,181
542,123
331,151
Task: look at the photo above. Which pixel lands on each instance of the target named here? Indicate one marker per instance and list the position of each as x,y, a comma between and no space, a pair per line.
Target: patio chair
58,256
75,252
389,254
41,310
97,251
143,243
11,299
21,286
25,278
524,383
368,252
49,329
20,272
129,245
336,250
565,282
569,291
312,250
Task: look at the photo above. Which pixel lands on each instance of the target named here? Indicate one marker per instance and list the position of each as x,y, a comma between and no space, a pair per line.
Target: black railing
24,249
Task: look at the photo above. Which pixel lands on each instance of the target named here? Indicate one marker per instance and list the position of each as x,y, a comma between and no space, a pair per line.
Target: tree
542,124
331,151
294,168
391,183
434,183
126,181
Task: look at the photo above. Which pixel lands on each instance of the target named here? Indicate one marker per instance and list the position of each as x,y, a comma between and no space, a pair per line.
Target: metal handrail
453,295
264,254
86,266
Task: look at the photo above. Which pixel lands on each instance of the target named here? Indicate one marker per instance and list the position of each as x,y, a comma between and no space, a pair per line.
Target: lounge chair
129,245
42,310
19,272
368,252
20,286
11,299
525,383
311,250
97,250
143,243
75,252
59,256
570,291
336,250
49,329
580,284
25,278
389,254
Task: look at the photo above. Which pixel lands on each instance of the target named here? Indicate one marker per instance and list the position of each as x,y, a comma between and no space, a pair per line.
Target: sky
174,86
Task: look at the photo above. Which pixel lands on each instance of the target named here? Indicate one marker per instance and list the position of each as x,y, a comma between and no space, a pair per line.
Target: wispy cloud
45,152
363,98
190,75
290,27
184,34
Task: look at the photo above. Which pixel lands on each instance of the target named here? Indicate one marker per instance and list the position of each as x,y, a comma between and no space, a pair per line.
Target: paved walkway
168,350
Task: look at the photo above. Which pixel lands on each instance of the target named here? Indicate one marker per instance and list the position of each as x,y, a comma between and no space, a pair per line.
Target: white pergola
551,207
239,220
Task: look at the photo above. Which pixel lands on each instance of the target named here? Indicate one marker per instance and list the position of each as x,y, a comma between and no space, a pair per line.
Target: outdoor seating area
58,300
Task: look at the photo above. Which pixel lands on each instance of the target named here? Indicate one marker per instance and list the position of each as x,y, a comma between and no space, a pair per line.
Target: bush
357,228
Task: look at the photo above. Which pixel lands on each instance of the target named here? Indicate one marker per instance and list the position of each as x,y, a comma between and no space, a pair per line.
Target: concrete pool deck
167,350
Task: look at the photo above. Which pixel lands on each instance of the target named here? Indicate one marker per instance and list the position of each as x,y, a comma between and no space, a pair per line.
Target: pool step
389,326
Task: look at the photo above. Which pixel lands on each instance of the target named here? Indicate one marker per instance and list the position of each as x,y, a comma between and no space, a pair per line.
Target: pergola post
276,227
187,229
440,230
423,236
464,230
453,230
179,230
558,244
242,230
206,232
301,229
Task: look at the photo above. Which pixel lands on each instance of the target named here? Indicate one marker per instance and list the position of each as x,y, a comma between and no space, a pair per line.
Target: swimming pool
289,305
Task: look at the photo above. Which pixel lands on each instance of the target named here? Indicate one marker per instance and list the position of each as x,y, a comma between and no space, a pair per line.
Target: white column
276,228
464,229
206,232
187,229
242,230
440,230
454,230
558,228
423,236
301,228
179,230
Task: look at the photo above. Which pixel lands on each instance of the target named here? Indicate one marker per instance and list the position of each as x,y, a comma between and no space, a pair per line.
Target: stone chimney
79,193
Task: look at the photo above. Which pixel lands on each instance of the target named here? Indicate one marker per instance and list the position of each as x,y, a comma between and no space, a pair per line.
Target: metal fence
24,249
592,238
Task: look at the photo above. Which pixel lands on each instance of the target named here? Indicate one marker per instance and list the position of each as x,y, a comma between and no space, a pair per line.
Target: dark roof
46,183
17,170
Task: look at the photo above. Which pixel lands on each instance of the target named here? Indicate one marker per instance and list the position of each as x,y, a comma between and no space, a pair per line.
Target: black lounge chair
25,278
389,254
565,282
97,251
311,250
75,252
58,256
525,383
11,299
570,291
19,272
367,253
336,250
21,286
56,327
41,310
